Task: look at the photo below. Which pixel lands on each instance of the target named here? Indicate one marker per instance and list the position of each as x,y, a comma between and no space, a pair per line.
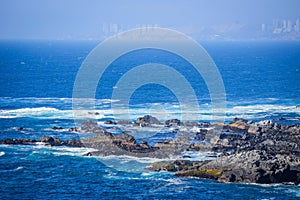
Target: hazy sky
59,19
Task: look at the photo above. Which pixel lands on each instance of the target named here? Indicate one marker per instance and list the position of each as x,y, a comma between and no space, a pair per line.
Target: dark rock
73,129
92,127
57,128
88,154
74,143
124,137
21,141
204,124
145,145
110,122
252,166
147,120
173,122
51,141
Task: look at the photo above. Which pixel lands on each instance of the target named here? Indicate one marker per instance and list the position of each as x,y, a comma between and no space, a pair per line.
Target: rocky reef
243,151
261,152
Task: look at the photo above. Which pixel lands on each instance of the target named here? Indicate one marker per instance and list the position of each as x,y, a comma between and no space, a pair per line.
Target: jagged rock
89,126
74,143
251,166
52,141
239,124
173,122
145,145
147,120
124,137
253,129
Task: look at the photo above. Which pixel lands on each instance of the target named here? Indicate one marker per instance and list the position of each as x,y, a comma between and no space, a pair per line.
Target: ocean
261,81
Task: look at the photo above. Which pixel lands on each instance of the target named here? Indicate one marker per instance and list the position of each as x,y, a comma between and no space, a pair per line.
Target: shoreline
245,151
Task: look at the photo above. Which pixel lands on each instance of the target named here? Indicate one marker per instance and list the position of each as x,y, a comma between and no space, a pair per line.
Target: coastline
243,151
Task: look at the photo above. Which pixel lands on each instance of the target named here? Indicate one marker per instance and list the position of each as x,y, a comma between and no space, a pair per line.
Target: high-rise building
263,27
289,26
297,26
284,26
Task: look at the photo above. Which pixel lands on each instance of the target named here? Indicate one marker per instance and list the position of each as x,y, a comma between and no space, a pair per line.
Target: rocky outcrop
175,165
21,141
173,122
262,152
92,127
254,167
147,120
45,139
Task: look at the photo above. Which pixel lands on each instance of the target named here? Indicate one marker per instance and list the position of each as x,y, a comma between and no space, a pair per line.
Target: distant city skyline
200,19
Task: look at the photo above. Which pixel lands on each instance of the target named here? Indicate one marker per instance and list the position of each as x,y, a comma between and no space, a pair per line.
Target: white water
170,111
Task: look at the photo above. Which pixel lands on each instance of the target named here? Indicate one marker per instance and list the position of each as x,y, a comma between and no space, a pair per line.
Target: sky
92,19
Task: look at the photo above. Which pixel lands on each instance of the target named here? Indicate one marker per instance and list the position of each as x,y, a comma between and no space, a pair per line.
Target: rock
93,113
73,129
21,141
124,137
47,139
57,128
191,124
213,174
124,122
204,124
74,143
110,122
238,124
252,166
253,129
147,120
145,145
92,127
174,165
58,142
173,122
52,141
201,135
88,154
89,126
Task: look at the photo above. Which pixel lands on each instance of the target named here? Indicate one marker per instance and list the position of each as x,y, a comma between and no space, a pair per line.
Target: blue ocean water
261,80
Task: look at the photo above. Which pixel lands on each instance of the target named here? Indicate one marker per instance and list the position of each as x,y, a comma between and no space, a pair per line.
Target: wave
2,153
61,108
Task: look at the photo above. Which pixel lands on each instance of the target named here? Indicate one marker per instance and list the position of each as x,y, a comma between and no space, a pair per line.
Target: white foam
71,151
162,111
2,153
28,112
